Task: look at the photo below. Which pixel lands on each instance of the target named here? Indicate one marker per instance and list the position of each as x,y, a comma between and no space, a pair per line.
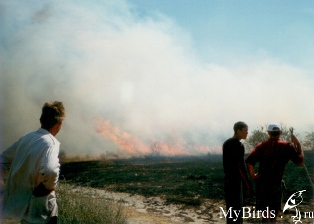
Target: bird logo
293,201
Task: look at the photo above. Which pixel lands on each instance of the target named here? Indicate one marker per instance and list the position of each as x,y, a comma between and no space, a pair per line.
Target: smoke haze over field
128,79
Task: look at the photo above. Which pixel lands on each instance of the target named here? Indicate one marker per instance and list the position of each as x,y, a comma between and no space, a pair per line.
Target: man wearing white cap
272,156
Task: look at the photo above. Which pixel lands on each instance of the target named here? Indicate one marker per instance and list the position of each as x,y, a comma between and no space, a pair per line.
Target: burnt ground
186,181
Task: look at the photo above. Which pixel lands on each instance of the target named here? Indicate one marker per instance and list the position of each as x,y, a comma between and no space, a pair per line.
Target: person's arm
50,169
250,168
49,172
251,160
245,179
243,173
6,158
299,159
296,144
8,155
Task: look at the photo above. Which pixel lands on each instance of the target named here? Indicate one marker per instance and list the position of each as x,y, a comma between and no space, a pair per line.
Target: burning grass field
178,180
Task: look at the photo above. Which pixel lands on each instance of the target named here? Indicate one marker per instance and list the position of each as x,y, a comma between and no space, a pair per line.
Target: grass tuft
86,206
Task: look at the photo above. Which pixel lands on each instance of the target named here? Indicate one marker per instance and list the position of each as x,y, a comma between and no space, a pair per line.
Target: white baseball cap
273,127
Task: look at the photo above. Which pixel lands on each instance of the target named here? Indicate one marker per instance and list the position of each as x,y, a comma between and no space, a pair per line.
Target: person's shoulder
262,143
228,141
231,142
283,142
287,146
46,136
260,146
29,136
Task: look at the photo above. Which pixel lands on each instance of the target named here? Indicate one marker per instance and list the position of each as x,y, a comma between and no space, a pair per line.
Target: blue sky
223,30
176,72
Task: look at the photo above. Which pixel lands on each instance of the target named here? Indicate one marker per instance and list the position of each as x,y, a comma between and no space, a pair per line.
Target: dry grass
81,206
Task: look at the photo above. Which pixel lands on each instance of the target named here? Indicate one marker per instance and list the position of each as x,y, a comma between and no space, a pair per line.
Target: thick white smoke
141,74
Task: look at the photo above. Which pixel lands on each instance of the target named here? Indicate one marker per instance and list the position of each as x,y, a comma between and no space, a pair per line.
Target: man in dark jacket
236,177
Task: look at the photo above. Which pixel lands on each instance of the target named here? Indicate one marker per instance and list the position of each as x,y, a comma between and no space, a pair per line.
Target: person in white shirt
29,192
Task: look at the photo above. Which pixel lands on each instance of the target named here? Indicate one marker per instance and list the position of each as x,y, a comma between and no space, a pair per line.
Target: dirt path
154,210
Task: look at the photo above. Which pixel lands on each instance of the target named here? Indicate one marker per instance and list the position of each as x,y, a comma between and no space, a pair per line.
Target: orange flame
134,146
127,142
159,148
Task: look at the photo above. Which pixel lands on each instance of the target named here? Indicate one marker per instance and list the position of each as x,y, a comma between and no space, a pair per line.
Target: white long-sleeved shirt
34,160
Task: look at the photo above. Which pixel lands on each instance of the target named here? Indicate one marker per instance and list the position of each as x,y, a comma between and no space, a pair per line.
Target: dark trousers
234,200
269,194
53,220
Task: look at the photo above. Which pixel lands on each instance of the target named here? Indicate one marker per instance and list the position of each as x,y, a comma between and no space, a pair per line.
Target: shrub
309,140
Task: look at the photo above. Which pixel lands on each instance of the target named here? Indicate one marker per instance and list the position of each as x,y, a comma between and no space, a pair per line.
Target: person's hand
41,191
255,177
294,140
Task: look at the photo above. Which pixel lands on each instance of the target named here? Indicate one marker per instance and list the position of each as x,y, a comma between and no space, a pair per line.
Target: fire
133,146
159,148
127,142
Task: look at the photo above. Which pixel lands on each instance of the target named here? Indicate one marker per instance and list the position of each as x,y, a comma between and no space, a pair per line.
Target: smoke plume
133,85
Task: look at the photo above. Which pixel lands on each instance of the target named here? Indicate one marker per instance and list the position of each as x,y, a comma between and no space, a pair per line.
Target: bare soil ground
155,210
